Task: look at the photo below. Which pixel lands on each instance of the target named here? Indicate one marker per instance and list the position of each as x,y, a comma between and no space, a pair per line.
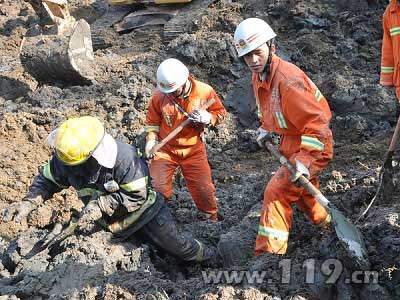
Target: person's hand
150,144
301,170
266,136
19,210
201,116
90,213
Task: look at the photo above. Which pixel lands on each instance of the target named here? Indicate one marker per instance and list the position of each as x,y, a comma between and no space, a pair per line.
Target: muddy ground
336,42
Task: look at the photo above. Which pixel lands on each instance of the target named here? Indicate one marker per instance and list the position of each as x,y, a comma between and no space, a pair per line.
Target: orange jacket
163,116
290,104
390,62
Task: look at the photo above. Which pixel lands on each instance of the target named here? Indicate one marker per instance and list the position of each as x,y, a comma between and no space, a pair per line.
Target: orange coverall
291,105
186,149
390,62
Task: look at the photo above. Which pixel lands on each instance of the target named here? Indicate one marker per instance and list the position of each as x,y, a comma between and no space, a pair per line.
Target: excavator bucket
62,52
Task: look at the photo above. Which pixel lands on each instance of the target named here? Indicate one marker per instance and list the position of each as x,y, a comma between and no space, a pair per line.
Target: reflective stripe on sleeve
281,120
312,142
149,128
89,192
387,69
135,185
318,95
394,31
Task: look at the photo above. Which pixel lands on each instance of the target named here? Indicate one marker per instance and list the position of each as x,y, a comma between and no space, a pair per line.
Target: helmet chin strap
184,95
264,75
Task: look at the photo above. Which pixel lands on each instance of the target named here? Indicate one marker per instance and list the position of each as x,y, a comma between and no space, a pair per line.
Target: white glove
300,170
201,116
150,144
266,136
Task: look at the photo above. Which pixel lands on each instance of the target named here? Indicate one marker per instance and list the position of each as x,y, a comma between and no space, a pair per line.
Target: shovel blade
350,238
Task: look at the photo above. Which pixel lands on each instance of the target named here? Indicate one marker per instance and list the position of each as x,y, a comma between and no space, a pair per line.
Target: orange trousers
277,211
195,169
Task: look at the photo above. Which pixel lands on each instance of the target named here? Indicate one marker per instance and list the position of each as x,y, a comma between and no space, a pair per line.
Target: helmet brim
106,152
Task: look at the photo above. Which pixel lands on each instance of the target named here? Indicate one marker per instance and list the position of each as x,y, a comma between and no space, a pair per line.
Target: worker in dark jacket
113,182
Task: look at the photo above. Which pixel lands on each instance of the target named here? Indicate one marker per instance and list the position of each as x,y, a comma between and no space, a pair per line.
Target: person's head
80,140
172,77
254,41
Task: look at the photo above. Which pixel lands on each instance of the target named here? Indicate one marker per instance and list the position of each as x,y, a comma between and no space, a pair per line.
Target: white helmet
171,74
251,34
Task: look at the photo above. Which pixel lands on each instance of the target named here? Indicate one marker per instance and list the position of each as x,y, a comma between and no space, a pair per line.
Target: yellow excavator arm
124,2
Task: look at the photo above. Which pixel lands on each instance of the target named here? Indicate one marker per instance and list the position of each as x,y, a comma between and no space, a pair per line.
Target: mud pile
337,43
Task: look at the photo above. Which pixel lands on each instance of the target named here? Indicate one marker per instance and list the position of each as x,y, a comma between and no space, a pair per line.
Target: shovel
386,168
50,240
347,233
178,129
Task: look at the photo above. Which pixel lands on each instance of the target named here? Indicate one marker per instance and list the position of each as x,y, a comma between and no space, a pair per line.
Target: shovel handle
389,154
178,129
395,137
303,181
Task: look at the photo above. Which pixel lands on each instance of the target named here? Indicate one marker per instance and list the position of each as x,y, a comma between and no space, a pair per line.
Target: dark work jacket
129,181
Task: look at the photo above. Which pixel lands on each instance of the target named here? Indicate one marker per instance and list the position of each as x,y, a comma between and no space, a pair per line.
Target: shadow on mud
11,89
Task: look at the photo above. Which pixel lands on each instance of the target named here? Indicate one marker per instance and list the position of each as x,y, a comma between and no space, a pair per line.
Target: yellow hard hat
76,139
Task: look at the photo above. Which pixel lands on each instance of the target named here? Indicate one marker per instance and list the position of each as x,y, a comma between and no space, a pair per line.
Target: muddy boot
231,250
163,232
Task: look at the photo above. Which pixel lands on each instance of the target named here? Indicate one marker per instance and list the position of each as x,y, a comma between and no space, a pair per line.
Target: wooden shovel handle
178,129
395,136
303,181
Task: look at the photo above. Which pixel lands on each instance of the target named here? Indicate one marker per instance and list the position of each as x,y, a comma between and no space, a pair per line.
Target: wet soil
337,43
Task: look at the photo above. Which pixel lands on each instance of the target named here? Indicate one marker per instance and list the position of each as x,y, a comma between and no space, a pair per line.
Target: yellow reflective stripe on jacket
275,233
318,95
89,192
394,31
281,120
135,185
312,142
149,128
49,176
387,69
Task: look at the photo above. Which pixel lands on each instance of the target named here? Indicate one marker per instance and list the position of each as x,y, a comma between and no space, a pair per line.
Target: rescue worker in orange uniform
290,105
390,61
178,96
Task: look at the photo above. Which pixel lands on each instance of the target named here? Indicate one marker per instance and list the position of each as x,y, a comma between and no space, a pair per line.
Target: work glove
300,170
19,210
201,116
150,144
266,136
90,213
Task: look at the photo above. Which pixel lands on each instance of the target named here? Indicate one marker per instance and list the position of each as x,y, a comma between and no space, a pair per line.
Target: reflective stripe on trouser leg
162,169
276,214
197,174
311,207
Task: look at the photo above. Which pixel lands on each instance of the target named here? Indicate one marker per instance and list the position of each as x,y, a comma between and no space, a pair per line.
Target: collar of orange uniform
394,6
274,65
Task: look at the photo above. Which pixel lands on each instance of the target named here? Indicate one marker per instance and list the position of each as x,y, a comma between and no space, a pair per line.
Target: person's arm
132,176
45,184
153,118
306,108
387,60
217,110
